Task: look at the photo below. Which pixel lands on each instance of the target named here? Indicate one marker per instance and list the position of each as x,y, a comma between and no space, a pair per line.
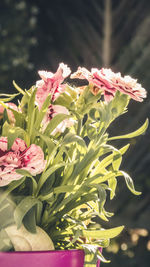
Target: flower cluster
56,160
31,159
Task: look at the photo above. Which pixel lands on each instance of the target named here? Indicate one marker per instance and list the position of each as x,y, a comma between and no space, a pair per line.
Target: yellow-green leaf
138,132
103,234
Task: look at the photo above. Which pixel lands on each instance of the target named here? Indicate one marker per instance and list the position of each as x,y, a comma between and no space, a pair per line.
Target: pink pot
55,258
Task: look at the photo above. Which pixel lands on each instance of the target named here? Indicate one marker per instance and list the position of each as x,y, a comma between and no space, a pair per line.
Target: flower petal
19,157
33,160
51,83
19,145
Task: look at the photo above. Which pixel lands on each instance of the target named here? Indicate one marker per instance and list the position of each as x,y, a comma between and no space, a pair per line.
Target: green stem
79,126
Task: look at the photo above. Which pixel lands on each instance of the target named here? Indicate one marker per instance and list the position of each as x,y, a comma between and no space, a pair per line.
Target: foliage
82,166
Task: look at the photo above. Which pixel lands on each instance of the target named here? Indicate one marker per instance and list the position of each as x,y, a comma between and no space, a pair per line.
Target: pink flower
129,86
9,112
98,83
53,110
19,157
51,84
104,82
108,82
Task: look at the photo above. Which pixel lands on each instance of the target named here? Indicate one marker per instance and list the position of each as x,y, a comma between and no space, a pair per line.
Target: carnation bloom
108,82
53,110
19,157
51,84
9,112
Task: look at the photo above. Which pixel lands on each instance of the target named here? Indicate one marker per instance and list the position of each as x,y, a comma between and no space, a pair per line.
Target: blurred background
39,34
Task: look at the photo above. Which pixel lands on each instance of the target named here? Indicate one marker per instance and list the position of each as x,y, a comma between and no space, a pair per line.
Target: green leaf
76,201
100,178
91,131
29,220
101,257
92,254
94,205
13,185
112,183
5,116
129,182
24,206
101,196
55,122
19,117
7,97
103,234
18,88
64,100
39,210
71,138
31,113
85,162
66,188
109,159
49,142
12,133
138,132
67,98
72,92
117,159
119,104
64,202
105,113
124,149
42,112
47,173
25,173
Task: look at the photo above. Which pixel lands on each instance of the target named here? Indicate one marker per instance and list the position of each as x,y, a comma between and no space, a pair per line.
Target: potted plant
57,165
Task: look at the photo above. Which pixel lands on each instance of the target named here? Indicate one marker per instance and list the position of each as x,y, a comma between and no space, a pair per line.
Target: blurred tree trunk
107,33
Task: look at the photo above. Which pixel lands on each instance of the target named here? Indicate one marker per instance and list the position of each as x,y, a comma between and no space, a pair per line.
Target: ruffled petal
33,160
19,157
51,83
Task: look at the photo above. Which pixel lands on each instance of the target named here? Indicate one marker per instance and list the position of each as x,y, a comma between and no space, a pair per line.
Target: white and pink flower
53,110
11,116
19,157
51,83
107,82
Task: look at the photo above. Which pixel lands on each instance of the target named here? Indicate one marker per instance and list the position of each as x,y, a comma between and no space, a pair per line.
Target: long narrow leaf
55,122
25,173
42,113
138,132
18,88
7,97
13,185
24,206
47,173
103,234
109,159
71,138
129,182
31,113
